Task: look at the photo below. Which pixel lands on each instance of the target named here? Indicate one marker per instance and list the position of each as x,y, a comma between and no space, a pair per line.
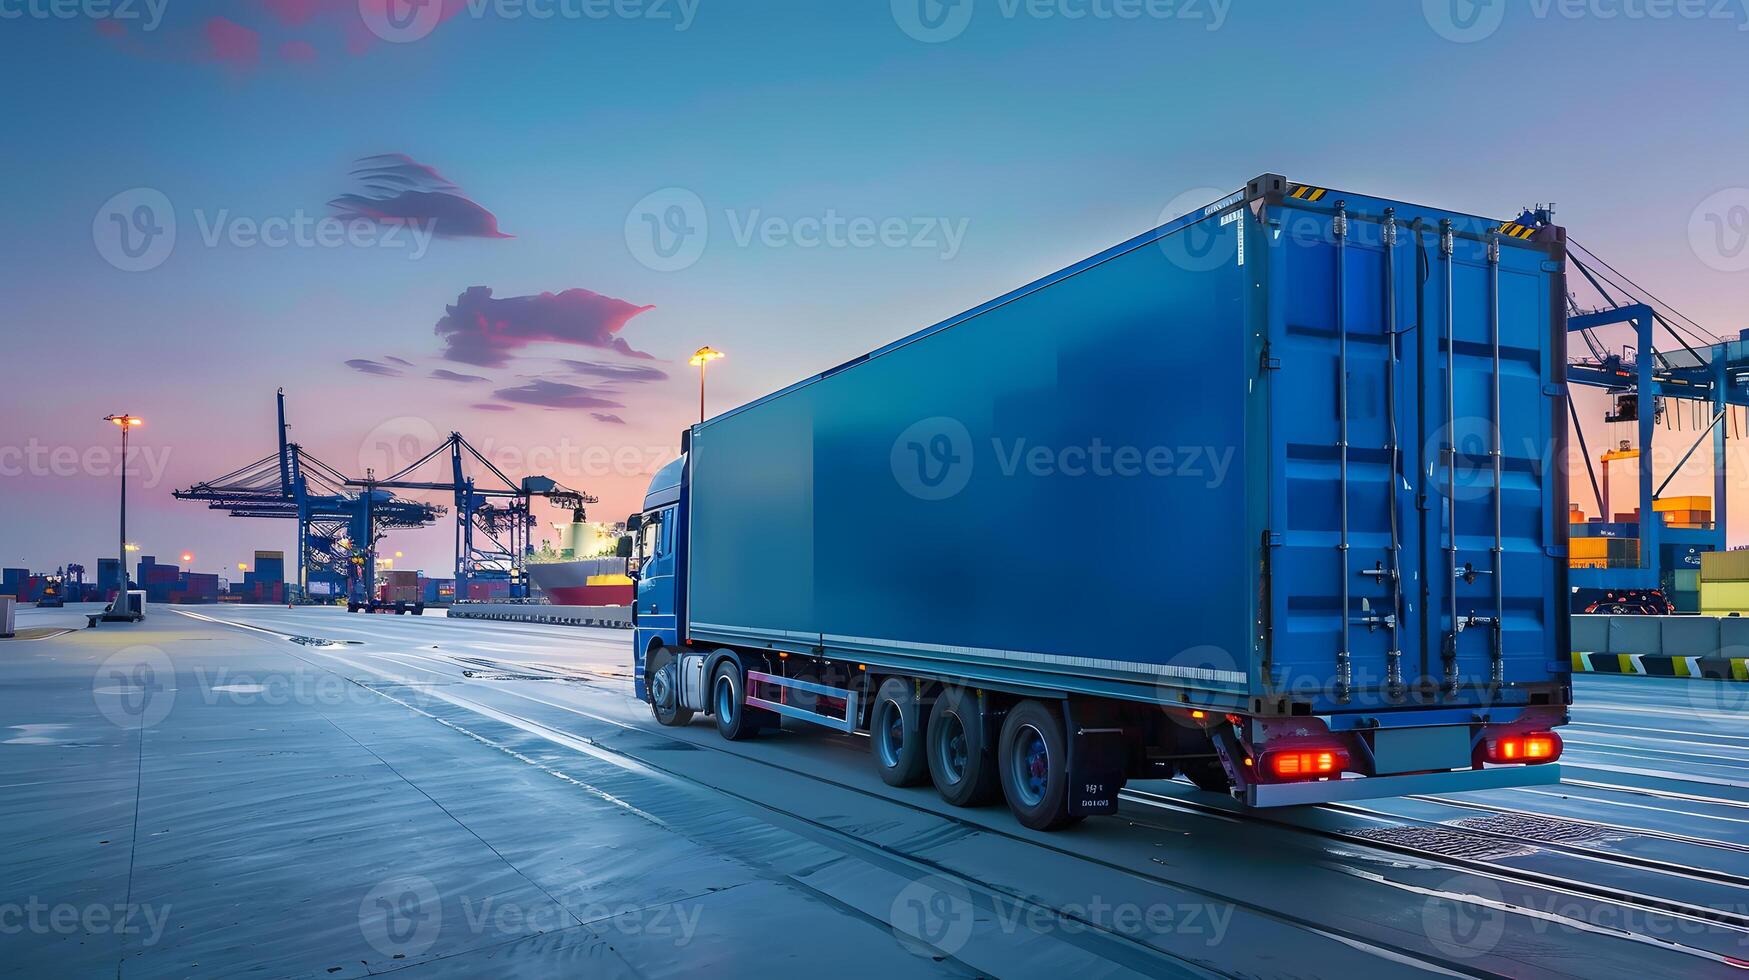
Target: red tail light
1528,748
1304,763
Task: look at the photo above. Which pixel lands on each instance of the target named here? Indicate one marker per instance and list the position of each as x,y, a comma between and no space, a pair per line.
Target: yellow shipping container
1687,516
1682,503
1724,566
1723,598
1588,547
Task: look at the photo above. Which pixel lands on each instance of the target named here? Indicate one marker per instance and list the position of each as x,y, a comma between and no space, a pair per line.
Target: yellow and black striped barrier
1655,665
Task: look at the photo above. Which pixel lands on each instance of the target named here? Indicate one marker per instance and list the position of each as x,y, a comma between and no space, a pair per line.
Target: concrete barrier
612,617
1662,646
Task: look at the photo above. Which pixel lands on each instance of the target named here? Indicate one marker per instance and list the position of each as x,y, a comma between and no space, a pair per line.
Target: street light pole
700,358
126,422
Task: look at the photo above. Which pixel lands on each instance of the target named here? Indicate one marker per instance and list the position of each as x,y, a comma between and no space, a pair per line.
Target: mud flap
1098,759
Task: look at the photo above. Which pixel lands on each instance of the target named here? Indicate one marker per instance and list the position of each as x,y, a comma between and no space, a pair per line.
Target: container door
1493,427
1345,567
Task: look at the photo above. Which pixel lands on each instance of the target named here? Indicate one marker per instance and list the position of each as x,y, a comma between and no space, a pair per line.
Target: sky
516,219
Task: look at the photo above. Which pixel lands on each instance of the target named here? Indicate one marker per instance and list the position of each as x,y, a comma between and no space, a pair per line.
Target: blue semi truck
1270,497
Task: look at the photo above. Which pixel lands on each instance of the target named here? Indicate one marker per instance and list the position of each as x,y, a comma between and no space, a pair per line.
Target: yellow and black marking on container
1513,229
1306,192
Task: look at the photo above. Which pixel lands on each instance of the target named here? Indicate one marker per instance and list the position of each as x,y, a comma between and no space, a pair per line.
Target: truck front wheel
961,765
897,734
1033,758
664,687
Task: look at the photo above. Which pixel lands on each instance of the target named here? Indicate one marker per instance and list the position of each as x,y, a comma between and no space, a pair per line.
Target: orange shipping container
1682,503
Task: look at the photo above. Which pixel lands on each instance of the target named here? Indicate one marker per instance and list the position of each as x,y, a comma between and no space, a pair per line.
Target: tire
962,767
1207,774
1032,757
896,732
735,721
664,676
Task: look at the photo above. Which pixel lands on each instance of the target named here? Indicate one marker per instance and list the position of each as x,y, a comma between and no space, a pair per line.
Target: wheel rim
662,688
951,750
890,733
726,700
1030,764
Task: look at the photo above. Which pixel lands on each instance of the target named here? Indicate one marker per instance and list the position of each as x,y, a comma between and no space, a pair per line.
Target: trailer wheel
1033,758
961,765
897,734
664,687
1207,774
735,721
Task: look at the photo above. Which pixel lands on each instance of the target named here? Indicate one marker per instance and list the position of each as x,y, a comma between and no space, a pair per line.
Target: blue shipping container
1267,432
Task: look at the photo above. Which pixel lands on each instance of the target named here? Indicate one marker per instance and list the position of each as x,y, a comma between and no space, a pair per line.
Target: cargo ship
567,580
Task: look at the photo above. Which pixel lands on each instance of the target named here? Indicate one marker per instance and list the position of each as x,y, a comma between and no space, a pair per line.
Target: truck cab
656,566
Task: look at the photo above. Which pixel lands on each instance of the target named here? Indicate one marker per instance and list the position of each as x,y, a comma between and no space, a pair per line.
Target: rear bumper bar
1375,787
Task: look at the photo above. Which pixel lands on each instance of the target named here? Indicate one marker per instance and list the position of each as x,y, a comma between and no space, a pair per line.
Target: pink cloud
232,43
298,51
294,13
394,188
480,329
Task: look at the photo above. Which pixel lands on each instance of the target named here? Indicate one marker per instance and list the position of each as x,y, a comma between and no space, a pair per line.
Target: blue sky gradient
1043,138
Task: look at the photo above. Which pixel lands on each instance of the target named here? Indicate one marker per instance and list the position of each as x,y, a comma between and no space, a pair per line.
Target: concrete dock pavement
182,798
226,790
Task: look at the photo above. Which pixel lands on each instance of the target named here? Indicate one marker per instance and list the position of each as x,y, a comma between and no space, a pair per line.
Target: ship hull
569,583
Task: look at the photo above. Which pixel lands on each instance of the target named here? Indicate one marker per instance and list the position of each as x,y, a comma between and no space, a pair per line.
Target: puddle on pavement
37,735
319,643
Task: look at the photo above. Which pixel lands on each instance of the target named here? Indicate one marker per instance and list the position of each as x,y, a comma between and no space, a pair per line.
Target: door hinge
1270,362
1273,539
